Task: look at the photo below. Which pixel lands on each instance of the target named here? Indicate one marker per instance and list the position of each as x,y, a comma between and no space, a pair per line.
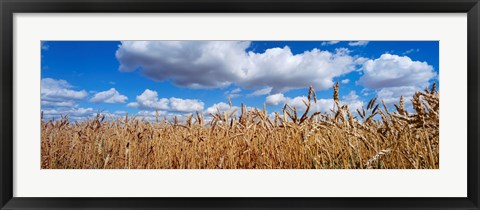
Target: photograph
239,104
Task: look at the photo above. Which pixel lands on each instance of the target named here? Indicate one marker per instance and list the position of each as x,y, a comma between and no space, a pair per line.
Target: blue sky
178,78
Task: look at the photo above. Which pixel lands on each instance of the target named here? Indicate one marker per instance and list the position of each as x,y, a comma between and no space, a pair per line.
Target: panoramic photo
196,104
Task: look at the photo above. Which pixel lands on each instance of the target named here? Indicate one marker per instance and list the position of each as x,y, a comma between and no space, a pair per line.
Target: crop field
372,138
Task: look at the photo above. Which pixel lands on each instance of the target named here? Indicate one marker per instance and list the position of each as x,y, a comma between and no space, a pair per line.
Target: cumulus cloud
358,43
59,89
71,112
59,93
169,116
314,67
392,76
58,97
222,107
353,100
149,100
214,64
392,94
345,81
151,115
276,99
111,96
195,64
395,71
133,105
185,105
74,113
322,105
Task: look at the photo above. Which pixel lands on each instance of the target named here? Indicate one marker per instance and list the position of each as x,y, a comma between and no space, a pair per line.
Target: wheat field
374,137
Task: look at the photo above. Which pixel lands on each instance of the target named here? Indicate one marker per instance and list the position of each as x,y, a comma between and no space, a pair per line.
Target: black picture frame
10,7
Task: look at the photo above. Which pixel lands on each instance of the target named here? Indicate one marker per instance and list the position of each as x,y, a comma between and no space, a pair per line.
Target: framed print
239,105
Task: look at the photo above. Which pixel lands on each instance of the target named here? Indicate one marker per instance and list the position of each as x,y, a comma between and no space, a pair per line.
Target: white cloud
345,81
44,45
111,96
411,51
119,112
185,105
73,113
279,69
133,104
58,98
58,103
358,43
59,93
330,43
360,61
393,76
392,95
236,90
353,100
151,115
322,105
275,99
59,89
395,71
233,93
213,64
149,100
222,107
195,64
261,92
